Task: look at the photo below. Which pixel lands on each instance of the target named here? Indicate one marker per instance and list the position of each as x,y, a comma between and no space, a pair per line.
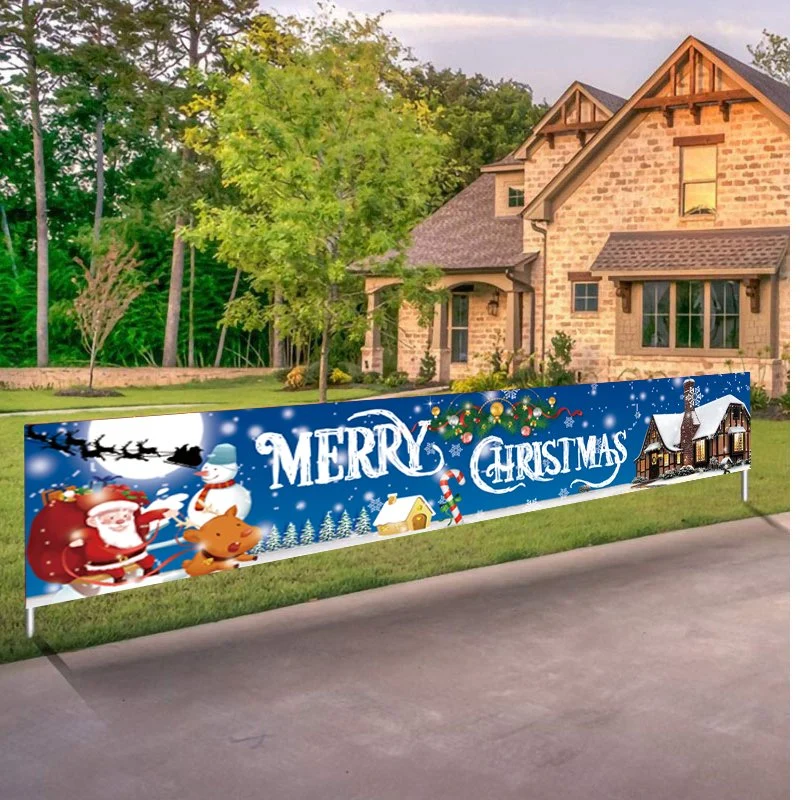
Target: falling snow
375,504
568,422
563,493
696,397
510,394
430,448
455,450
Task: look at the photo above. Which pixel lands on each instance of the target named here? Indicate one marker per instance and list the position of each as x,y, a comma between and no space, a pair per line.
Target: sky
613,45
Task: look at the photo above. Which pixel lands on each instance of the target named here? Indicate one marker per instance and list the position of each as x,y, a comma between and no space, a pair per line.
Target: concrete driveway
651,669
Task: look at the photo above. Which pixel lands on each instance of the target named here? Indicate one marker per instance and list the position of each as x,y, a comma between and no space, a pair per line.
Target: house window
735,413
655,314
678,457
725,314
584,297
516,197
698,180
689,314
699,451
738,442
459,328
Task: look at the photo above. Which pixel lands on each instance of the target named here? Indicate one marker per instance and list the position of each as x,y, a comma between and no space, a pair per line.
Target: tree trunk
174,302
224,331
42,243
92,360
100,184
323,358
277,356
7,237
190,354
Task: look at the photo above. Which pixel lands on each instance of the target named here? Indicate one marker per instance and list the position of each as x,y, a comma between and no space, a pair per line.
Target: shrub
639,479
527,376
687,470
427,368
282,374
370,377
339,377
713,462
296,378
396,379
481,382
557,372
670,473
312,374
352,369
759,399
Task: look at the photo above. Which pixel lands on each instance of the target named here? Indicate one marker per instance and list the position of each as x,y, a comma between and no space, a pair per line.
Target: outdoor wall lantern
493,306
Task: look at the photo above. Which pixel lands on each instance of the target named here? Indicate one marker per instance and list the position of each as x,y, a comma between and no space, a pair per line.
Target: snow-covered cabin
401,514
717,429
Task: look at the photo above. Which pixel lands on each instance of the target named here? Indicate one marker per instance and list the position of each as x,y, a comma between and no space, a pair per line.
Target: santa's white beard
125,539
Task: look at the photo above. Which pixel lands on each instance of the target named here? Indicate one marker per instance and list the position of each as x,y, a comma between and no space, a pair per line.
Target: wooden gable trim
692,141
541,207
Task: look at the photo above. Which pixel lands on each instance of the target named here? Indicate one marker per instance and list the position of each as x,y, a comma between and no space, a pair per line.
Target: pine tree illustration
274,539
260,548
345,526
363,523
290,536
307,536
327,531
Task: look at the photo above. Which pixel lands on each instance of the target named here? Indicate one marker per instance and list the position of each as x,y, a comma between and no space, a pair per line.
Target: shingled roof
757,249
613,102
465,234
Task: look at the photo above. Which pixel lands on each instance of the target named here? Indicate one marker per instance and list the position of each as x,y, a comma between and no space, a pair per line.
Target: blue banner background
596,409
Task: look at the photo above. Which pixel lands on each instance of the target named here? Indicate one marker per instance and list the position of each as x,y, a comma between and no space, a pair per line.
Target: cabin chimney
391,499
688,425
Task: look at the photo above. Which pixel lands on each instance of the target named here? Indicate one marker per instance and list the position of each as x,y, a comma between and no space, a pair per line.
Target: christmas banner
114,504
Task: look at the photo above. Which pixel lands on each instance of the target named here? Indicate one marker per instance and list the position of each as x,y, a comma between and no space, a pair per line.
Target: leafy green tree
331,170
484,120
771,55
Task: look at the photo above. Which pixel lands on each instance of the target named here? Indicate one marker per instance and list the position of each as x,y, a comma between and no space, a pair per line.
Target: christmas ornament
525,430
537,412
453,420
466,438
450,502
436,411
552,401
496,408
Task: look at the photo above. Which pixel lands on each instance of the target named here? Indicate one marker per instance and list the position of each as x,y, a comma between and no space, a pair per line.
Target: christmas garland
469,421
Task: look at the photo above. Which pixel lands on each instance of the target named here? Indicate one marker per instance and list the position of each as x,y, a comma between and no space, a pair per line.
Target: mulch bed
85,391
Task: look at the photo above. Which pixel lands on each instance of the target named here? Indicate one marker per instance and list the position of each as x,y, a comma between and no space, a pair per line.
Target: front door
653,466
418,522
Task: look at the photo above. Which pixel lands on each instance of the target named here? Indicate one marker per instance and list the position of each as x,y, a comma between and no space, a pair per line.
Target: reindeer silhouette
36,436
73,441
54,444
143,452
99,449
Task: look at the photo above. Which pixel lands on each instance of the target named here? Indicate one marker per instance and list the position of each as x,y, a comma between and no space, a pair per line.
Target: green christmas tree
345,526
290,536
363,523
260,548
327,531
307,536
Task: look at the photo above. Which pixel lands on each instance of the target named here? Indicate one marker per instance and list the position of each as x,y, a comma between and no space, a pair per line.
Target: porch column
372,352
441,345
514,326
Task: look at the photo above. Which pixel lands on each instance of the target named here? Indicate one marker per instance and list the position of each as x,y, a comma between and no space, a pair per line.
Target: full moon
165,433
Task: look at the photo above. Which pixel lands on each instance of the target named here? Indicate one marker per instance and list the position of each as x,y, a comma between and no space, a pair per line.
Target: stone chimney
689,425
392,499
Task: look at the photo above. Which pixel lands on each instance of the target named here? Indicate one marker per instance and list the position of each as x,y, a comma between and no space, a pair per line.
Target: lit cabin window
738,442
700,451
516,197
698,180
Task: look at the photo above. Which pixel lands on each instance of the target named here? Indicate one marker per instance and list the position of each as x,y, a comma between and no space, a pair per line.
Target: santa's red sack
49,554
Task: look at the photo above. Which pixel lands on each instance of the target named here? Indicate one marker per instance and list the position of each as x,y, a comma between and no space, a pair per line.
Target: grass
182,603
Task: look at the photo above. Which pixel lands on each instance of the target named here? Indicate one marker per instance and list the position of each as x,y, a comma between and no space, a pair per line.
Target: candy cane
448,495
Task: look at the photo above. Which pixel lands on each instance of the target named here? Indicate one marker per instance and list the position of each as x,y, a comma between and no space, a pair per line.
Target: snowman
220,491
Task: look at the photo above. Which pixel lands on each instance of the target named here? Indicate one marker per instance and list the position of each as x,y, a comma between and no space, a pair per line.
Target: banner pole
745,474
30,622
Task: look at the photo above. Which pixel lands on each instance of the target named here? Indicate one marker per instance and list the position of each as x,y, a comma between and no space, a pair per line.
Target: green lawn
182,603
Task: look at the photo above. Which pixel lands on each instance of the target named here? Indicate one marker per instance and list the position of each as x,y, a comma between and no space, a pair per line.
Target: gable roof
759,250
399,510
608,102
464,234
773,94
707,417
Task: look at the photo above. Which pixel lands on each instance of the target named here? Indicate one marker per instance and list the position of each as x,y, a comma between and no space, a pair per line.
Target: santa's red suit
71,538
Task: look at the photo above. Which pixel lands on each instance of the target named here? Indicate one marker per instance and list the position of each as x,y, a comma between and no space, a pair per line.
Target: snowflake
510,394
455,450
696,397
441,501
532,502
594,388
637,415
375,504
564,493
430,448
568,422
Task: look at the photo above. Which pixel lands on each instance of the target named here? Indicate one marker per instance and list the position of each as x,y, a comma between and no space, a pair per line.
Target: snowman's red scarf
200,503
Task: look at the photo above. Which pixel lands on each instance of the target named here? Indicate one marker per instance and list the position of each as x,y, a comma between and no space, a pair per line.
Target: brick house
654,230
719,429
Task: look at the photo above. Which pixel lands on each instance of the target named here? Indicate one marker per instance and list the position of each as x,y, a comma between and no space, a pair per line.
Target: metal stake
30,623
745,474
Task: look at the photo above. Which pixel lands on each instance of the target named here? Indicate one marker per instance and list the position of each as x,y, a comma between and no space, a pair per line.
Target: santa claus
95,535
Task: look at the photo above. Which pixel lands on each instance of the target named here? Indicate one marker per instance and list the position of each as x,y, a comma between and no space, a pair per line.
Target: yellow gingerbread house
402,514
